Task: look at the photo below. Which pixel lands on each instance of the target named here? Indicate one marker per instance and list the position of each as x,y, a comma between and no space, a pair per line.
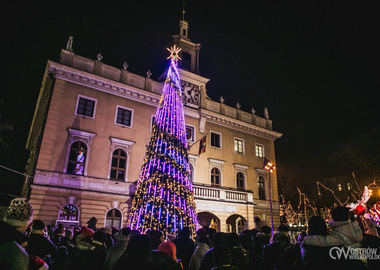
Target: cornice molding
94,81
239,125
140,95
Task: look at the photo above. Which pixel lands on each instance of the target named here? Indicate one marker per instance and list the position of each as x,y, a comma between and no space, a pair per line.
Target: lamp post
269,167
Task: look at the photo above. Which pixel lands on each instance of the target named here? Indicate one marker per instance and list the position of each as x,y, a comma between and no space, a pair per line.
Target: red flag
202,145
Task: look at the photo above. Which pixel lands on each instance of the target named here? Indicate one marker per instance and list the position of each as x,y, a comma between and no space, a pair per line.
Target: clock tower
193,85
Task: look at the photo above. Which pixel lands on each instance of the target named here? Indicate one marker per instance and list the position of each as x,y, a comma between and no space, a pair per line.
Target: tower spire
183,25
183,11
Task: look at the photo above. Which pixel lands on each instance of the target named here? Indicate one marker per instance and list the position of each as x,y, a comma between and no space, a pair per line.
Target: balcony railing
222,193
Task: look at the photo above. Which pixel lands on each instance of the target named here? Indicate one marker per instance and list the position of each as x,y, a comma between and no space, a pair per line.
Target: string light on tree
164,197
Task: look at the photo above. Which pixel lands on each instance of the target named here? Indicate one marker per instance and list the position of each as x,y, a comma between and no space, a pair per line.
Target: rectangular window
86,106
190,133
216,140
259,149
124,116
239,146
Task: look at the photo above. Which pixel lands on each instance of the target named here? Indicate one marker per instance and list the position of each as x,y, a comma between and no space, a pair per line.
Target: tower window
186,61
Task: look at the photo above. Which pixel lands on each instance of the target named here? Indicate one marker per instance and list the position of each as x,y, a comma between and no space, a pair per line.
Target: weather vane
174,53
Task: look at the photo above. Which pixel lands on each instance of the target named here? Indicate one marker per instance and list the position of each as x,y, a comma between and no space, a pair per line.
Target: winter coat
371,241
239,257
114,253
196,258
207,262
140,261
344,233
314,257
12,255
40,246
273,255
162,261
185,249
92,257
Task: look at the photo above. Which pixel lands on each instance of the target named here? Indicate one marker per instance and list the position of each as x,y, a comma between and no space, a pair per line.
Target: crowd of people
87,247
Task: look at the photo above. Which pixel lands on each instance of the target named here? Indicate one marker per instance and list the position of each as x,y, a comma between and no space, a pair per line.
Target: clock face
190,93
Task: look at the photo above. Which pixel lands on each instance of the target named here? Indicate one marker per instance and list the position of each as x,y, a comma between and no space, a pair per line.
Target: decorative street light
269,167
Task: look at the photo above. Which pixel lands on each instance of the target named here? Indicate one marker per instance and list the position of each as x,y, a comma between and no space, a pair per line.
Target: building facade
90,129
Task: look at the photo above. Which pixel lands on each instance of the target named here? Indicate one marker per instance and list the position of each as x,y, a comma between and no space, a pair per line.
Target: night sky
314,64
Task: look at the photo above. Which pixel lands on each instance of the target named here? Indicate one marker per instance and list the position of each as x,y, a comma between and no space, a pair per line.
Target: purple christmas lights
165,168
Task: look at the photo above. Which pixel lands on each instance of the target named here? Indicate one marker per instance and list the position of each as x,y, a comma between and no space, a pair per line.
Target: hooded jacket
344,233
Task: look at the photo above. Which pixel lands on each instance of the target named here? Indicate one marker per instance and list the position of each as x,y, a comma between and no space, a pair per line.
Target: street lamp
269,167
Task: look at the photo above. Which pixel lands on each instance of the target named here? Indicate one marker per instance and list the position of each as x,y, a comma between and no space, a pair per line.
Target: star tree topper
174,53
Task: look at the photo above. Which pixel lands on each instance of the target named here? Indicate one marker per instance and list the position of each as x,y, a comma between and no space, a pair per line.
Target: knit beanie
19,213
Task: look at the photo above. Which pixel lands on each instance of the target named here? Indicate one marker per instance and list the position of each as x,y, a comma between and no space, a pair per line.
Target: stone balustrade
222,194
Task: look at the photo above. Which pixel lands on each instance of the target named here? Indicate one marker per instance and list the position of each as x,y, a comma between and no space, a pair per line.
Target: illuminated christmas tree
164,198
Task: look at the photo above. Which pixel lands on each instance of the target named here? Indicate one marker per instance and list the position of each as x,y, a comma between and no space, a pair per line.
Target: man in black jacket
185,247
38,244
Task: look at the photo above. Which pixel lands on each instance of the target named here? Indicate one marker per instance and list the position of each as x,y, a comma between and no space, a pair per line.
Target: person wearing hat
17,218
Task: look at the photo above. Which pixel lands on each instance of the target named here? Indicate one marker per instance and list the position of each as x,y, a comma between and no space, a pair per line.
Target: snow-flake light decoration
164,197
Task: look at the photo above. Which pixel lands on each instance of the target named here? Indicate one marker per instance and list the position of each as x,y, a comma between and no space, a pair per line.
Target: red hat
86,231
168,248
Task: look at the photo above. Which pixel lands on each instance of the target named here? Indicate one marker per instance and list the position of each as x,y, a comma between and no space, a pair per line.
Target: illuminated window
124,116
216,140
348,186
240,180
339,187
239,146
261,188
190,133
86,106
77,158
259,150
215,177
69,212
113,218
119,161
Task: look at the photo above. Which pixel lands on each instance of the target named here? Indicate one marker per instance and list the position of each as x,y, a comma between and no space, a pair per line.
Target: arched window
191,174
261,188
113,218
69,212
215,177
77,158
119,161
240,180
